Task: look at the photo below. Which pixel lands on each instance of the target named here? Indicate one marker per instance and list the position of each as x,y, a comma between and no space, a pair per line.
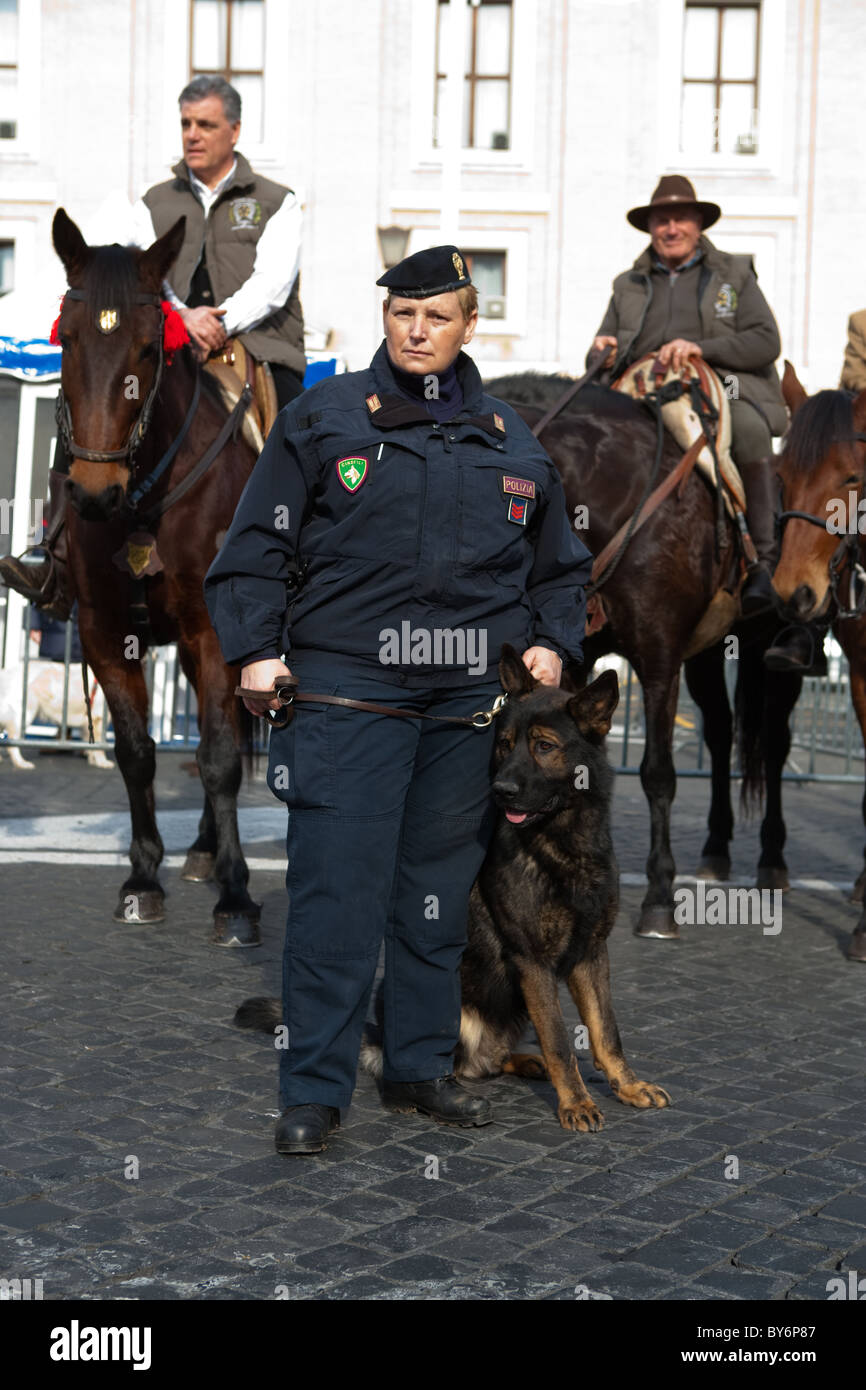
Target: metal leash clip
483,718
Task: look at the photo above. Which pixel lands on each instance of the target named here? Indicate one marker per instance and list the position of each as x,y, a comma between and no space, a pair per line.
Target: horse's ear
158,259
69,243
517,679
592,709
859,408
792,389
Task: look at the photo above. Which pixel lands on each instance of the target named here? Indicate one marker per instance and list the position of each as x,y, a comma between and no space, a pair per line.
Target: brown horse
823,474
135,428
658,597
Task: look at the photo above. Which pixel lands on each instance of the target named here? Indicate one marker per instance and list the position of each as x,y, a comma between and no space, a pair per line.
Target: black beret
435,271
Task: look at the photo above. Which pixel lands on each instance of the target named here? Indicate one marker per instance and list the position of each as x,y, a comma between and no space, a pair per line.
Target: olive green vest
230,237
721,274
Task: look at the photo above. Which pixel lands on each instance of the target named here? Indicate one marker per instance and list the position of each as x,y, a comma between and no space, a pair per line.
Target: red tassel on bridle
174,334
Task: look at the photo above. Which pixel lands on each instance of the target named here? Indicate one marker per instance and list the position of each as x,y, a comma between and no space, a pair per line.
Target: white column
455,20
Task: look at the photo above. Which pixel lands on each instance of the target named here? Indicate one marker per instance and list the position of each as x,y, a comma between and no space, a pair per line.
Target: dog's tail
262,1014
370,1059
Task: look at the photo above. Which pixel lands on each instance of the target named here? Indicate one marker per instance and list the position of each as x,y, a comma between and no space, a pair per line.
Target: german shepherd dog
543,904
546,899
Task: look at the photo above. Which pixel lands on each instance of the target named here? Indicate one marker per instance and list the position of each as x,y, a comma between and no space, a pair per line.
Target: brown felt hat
673,190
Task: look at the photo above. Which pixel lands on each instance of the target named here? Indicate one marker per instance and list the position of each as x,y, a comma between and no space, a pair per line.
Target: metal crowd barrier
173,721
826,742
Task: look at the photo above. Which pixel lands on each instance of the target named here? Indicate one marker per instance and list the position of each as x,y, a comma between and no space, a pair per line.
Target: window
719,111
7,266
8,69
487,269
487,92
227,37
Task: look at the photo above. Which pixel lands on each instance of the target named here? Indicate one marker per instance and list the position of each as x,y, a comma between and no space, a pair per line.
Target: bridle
846,552
140,424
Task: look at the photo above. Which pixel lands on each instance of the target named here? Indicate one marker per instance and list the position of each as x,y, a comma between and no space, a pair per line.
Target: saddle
645,378
232,369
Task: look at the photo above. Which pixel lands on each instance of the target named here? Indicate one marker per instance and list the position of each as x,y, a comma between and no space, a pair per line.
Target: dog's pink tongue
516,817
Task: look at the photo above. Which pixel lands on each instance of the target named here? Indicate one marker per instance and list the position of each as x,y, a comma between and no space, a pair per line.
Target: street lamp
392,244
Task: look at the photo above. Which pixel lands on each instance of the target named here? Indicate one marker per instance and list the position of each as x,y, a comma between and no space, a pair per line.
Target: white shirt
278,257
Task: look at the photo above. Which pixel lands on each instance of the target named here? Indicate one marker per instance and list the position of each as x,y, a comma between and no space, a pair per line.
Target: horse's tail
250,740
749,724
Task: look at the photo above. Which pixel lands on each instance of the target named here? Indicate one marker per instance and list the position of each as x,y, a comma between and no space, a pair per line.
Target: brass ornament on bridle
107,320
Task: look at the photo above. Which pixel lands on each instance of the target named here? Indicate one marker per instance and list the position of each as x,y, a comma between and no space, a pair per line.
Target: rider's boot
757,595
41,573
799,649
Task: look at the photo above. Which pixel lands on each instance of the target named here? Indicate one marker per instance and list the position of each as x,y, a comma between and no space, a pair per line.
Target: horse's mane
536,389
821,420
111,277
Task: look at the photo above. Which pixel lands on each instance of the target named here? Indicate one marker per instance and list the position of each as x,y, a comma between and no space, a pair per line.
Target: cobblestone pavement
118,1055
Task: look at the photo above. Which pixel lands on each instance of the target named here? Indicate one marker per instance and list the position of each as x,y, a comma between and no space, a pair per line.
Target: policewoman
428,527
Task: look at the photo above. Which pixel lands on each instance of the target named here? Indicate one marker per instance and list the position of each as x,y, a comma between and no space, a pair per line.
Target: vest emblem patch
726,302
352,472
245,212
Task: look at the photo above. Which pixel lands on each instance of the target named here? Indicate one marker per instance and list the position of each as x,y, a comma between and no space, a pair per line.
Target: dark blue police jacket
399,527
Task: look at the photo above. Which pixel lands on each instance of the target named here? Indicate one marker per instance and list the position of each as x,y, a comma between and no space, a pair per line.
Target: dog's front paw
583,1115
643,1094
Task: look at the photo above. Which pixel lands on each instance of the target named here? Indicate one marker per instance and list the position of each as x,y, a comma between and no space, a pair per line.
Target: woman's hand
263,675
544,665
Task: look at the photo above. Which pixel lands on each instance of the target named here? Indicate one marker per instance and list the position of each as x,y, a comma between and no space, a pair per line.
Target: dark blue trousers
389,821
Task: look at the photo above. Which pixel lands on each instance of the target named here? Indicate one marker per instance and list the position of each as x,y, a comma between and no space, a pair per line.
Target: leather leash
286,692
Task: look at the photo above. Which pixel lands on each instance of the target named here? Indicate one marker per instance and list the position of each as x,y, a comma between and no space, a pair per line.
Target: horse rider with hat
684,298
426,527
236,276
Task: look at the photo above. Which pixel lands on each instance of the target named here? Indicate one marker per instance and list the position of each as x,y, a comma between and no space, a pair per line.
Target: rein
569,394
287,693
846,552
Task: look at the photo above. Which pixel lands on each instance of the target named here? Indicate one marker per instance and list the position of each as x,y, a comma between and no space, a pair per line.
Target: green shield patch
352,472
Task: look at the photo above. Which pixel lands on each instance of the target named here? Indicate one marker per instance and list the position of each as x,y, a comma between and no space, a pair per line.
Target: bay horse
656,600
822,469
142,531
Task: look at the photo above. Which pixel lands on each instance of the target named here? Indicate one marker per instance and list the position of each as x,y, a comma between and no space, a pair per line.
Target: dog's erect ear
592,710
516,678
69,243
159,258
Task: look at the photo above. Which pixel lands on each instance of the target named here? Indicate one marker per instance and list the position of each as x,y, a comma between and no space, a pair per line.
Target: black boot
799,649
444,1099
41,574
303,1129
757,595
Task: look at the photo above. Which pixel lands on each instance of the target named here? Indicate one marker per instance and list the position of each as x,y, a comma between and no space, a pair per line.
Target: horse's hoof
714,866
770,876
236,929
658,922
140,907
857,890
857,945
199,866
